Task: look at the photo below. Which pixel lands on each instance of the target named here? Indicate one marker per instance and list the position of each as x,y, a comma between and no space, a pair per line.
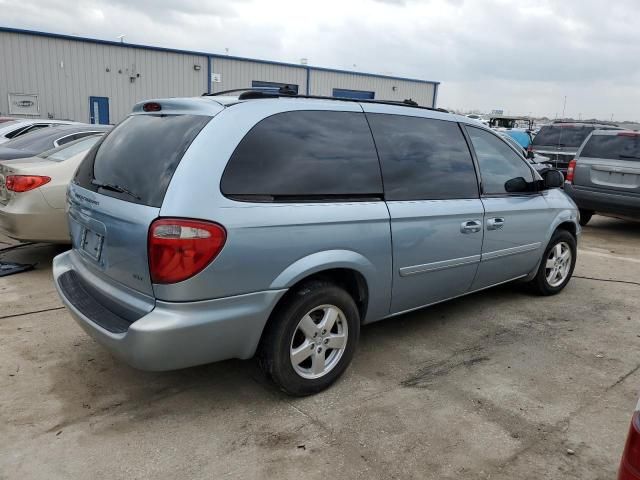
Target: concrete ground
499,385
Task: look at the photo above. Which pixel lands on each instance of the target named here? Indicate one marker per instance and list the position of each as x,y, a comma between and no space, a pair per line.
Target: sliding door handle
471,226
495,223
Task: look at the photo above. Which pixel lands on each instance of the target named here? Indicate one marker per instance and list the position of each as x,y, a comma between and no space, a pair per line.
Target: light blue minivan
276,225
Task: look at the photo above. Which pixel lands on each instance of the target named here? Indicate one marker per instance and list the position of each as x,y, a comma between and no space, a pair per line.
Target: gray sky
522,56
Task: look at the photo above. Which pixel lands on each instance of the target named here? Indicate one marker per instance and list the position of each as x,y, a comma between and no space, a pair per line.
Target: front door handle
471,226
495,223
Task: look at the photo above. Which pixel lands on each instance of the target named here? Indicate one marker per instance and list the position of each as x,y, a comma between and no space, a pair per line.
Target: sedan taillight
24,183
630,464
571,170
180,248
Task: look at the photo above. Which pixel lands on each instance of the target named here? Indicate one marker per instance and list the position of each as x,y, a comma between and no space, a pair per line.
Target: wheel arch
347,269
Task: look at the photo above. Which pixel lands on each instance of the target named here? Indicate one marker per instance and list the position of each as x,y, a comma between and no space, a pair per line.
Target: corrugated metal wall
323,82
65,73
240,74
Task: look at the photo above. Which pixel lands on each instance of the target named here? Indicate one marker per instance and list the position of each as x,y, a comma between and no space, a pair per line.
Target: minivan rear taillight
630,464
24,183
180,248
571,170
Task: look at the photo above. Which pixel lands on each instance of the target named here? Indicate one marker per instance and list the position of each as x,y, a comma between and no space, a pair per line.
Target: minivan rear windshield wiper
629,156
114,188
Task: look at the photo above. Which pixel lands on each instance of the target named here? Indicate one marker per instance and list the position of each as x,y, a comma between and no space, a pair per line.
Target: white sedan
33,192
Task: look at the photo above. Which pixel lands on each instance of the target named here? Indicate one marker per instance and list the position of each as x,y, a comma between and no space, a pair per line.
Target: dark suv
560,141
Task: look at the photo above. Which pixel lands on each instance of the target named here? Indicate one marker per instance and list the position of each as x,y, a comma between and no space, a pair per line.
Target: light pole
564,107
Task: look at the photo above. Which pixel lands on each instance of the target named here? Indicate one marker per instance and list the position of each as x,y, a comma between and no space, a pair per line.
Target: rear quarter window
623,146
306,156
140,156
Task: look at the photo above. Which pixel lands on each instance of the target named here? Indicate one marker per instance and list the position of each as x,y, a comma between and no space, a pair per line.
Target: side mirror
552,178
516,185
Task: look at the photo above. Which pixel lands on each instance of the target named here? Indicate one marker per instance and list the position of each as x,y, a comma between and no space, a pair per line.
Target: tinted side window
423,159
498,162
306,155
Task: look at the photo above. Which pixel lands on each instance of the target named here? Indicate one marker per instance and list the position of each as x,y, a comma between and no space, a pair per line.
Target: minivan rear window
562,136
623,146
136,160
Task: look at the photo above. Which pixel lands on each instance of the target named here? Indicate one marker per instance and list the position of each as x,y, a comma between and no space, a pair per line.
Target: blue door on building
357,94
99,110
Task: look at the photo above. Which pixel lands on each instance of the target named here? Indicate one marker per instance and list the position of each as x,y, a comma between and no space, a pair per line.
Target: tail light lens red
630,464
571,170
181,248
24,183
152,107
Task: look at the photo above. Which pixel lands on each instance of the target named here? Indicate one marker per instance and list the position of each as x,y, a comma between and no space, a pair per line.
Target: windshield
562,135
68,150
623,146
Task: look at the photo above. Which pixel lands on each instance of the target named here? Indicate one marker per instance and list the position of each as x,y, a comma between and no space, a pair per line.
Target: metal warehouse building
98,81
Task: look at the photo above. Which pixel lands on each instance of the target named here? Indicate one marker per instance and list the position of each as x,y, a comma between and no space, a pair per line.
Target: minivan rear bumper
604,202
173,335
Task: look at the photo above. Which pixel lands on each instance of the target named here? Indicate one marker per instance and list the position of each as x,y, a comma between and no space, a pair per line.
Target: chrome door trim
510,251
441,265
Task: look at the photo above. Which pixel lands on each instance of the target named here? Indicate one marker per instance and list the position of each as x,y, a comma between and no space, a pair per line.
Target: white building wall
234,73
65,73
323,82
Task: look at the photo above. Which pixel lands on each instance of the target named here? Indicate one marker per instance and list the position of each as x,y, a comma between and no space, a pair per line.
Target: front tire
585,216
311,339
557,265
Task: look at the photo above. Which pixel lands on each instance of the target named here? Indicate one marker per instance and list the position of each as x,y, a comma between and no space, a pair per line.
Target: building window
357,94
273,85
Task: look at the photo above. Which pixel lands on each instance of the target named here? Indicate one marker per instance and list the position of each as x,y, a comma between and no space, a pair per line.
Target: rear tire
556,267
585,216
295,351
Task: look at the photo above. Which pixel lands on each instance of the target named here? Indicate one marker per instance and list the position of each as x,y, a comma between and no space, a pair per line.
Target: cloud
522,56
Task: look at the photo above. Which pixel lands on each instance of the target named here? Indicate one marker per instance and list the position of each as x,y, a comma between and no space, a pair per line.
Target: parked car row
560,141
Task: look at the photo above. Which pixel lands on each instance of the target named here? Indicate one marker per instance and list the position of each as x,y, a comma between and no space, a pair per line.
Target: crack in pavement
563,425
33,312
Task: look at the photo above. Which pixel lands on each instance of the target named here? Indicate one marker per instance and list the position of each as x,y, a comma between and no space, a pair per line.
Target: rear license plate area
91,243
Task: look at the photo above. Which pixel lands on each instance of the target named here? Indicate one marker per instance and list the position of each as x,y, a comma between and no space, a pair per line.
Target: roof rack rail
286,91
587,122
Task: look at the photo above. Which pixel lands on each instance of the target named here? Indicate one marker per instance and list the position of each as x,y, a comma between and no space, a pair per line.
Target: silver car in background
605,175
227,226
